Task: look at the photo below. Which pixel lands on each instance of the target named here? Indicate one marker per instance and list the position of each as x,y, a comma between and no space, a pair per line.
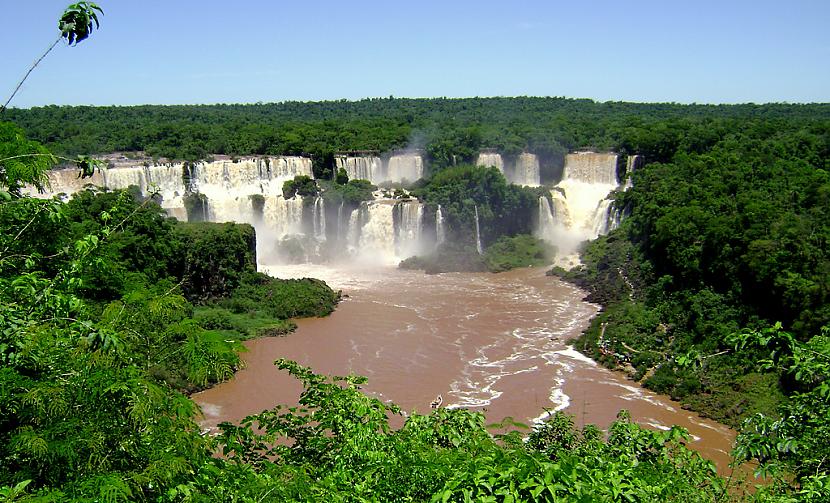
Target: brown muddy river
491,342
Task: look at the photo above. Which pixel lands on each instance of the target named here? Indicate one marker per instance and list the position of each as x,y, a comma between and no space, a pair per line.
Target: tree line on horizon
449,131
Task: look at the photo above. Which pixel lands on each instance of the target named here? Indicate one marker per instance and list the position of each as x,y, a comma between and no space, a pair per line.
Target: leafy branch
76,24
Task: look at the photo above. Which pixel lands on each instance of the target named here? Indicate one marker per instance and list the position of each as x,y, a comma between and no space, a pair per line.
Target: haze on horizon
190,51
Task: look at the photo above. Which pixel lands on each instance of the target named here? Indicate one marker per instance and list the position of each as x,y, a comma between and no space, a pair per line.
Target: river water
492,342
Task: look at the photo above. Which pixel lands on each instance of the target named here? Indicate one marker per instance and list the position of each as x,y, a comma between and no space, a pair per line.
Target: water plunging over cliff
479,249
408,220
397,168
632,164
440,230
386,231
578,208
488,159
361,168
524,170
407,166
318,219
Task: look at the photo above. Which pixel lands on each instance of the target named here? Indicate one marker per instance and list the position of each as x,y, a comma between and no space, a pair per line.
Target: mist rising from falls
386,231
578,208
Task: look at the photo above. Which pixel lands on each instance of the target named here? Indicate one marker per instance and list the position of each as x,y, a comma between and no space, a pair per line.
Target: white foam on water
570,352
715,427
338,278
635,393
211,410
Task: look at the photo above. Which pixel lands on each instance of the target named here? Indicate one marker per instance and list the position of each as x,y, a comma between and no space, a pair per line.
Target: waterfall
168,181
377,234
64,181
547,218
408,221
282,217
526,170
405,167
319,219
633,163
339,219
440,231
487,159
122,178
356,220
615,216
478,234
385,230
361,168
591,167
581,209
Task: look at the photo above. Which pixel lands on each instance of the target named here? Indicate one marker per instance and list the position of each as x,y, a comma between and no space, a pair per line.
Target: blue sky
210,51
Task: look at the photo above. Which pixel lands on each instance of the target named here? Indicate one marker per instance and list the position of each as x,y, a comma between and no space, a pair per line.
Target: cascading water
440,230
361,168
408,166
526,170
282,217
377,235
631,164
356,220
167,180
547,218
339,222
408,221
386,231
580,209
488,159
64,181
479,249
318,219
122,178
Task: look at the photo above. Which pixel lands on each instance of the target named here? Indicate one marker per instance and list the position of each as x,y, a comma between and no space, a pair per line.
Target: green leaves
21,161
337,445
76,23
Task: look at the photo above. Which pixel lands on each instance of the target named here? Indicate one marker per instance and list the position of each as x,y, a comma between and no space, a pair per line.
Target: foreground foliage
337,444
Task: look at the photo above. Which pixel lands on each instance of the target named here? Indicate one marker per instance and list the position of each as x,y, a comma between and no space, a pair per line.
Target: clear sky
242,51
